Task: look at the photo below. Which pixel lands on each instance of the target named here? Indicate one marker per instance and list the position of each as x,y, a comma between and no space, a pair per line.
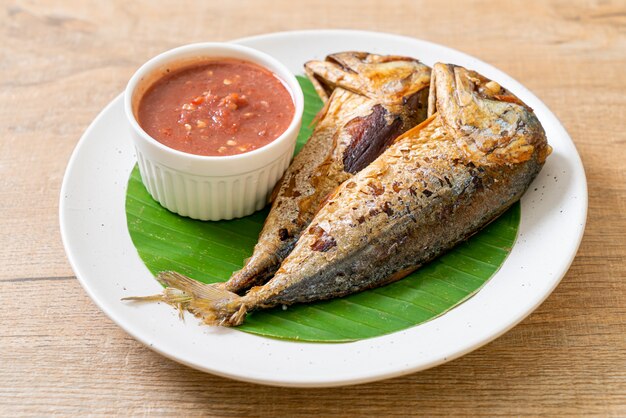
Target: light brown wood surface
62,62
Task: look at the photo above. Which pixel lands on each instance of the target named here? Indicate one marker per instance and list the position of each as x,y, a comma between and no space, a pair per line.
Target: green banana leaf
211,251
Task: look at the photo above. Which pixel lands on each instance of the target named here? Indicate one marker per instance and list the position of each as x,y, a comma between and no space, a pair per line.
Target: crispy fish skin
438,184
434,187
370,100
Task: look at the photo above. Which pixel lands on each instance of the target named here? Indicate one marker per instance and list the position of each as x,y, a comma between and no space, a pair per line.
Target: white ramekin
210,187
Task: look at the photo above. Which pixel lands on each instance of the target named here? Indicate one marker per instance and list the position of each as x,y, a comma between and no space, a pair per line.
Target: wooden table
61,64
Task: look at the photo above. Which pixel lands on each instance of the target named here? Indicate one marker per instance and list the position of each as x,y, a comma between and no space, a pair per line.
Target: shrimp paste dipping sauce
216,108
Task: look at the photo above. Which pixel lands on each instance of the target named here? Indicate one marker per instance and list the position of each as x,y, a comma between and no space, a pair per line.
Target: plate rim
338,380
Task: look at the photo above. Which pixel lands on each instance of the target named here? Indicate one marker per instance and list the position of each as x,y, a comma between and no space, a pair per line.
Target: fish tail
210,302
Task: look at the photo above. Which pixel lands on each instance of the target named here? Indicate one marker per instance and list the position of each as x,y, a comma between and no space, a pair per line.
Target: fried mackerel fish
435,186
369,100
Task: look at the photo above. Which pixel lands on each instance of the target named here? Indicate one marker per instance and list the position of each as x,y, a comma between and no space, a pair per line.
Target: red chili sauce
221,107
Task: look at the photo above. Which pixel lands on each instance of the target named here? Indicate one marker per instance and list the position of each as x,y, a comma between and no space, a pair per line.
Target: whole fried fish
435,186
370,100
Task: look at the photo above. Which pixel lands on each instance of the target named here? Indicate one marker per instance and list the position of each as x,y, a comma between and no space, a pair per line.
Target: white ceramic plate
93,227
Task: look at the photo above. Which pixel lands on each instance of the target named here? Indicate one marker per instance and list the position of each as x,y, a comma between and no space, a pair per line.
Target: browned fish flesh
435,186
370,100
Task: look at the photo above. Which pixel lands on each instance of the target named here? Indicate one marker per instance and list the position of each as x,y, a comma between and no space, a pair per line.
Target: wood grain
62,62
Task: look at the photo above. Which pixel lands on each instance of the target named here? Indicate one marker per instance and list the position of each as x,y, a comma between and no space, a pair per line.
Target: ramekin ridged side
211,198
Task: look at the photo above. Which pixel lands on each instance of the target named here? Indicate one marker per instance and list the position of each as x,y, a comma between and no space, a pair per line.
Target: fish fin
185,284
172,296
210,302
216,312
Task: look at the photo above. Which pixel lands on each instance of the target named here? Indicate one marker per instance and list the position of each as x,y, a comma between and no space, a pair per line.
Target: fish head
491,125
386,78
